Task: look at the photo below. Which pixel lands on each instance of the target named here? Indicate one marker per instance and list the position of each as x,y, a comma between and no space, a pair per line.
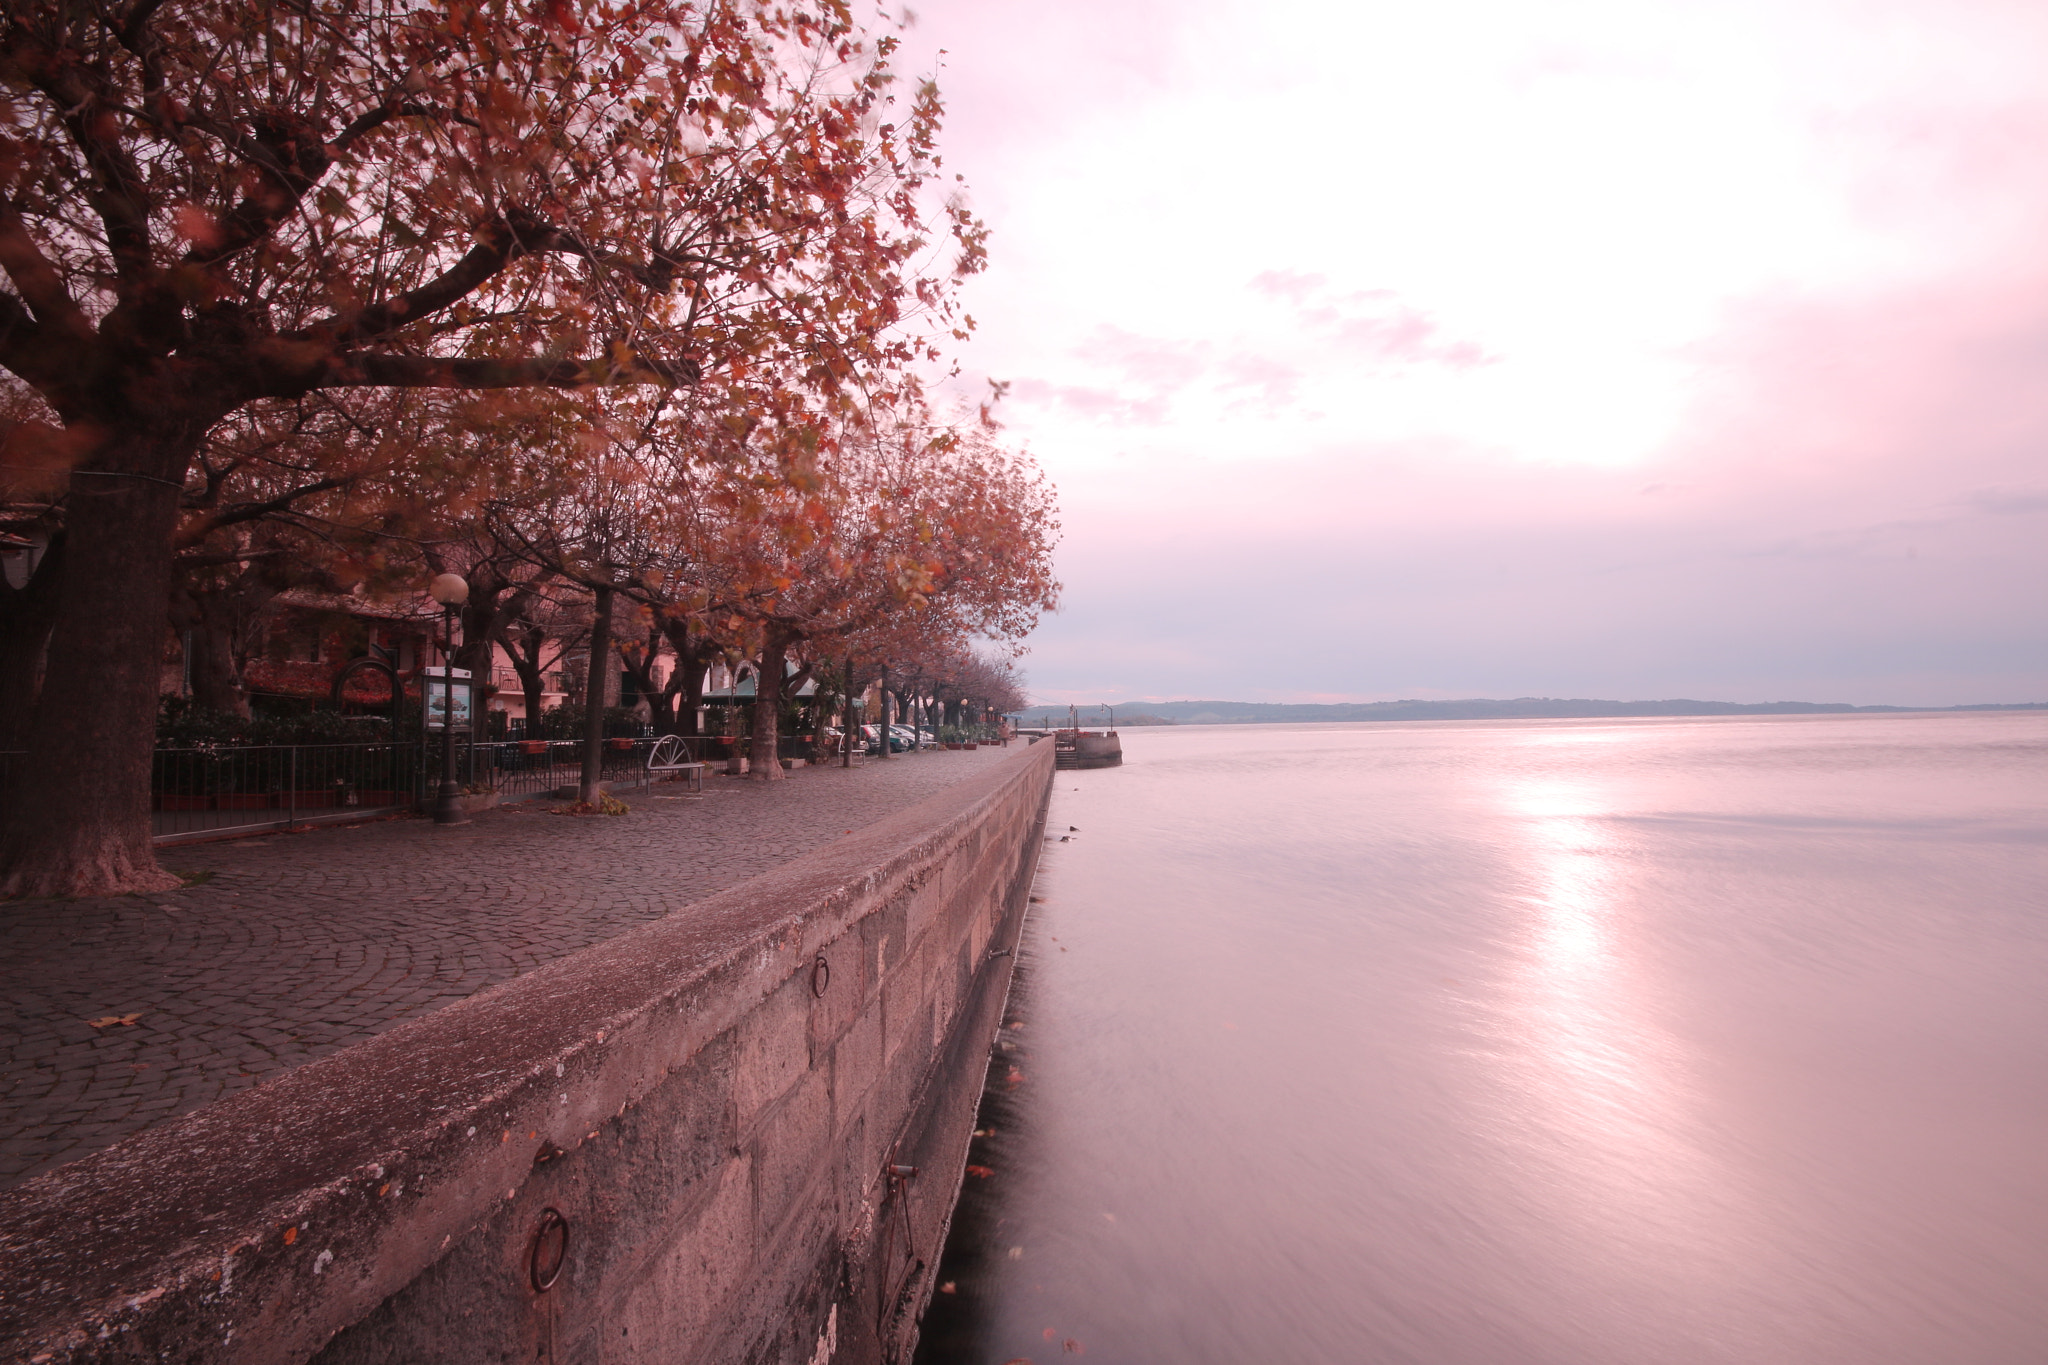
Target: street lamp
451,590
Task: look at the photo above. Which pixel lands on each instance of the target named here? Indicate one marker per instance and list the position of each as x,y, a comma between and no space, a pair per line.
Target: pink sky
1603,348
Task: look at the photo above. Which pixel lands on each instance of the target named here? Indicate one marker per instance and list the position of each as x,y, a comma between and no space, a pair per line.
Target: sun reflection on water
1601,1095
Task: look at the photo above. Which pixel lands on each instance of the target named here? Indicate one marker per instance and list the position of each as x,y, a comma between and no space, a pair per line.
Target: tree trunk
593,698
525,653
735,761
660,698
27,615
217,683
84,829
882,718
846,734
687,680
765,753
481,618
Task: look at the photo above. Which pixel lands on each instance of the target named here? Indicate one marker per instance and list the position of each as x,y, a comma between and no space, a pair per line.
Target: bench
671,757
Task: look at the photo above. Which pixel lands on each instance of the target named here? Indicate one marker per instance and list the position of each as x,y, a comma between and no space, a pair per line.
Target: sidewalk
297,945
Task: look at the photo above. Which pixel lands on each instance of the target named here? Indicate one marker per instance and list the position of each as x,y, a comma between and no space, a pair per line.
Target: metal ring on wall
821,975
549,1251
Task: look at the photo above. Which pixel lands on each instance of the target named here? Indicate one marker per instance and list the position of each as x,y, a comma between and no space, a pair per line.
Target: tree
209,204
910,530
284,496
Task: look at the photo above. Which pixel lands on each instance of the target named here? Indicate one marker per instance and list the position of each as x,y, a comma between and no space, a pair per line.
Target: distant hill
1478,708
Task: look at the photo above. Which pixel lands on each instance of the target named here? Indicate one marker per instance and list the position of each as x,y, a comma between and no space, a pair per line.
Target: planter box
243,801
380,798
971,746
618,745
951,745
320,800
178,801
533,746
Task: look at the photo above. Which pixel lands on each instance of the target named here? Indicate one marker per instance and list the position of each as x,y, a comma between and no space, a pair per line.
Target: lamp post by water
451,590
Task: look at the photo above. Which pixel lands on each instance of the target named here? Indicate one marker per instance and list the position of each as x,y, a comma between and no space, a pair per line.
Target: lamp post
451,590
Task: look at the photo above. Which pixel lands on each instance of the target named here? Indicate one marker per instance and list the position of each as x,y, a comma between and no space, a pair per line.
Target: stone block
772,1048
787,1150
857,1060
833,1012
883,939
684,1292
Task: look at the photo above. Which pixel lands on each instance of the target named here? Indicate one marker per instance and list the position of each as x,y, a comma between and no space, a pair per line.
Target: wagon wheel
667,753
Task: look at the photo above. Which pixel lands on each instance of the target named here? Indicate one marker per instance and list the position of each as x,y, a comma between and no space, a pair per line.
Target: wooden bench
670,757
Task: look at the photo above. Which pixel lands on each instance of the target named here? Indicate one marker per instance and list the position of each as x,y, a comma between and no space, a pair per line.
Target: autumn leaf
980,1172
114,1020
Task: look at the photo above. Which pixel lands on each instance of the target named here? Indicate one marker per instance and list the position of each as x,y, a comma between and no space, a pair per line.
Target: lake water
1573,1042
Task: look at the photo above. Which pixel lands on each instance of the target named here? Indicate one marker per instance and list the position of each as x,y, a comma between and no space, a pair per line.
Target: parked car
873,735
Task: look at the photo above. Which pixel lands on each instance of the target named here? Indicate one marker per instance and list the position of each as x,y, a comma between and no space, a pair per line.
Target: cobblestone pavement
297,945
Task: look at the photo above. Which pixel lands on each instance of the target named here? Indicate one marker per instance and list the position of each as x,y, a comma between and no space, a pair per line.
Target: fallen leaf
980,1172
947,1287
110,1020
1071,1347
291,1235
1016,1253
1051,1335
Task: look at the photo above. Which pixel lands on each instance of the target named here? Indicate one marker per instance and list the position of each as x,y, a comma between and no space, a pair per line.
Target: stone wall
722,1110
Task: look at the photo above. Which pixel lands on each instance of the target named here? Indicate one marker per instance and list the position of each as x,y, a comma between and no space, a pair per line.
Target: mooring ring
821,975
549,1251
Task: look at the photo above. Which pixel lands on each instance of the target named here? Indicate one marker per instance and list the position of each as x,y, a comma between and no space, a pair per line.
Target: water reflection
1599,1095
1542,1044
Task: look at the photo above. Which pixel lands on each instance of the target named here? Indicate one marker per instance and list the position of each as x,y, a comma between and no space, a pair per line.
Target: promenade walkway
292,946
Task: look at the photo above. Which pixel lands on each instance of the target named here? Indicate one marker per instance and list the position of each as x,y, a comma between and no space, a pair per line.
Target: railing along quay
203,791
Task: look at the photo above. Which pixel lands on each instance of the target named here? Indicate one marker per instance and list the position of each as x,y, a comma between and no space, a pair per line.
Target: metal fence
521,768
223,789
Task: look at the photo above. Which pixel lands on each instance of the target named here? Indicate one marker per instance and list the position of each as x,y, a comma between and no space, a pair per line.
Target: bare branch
41,287
286,378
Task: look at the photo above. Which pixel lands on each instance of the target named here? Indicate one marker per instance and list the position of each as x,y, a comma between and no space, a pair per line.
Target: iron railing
203,790
211,788
520,768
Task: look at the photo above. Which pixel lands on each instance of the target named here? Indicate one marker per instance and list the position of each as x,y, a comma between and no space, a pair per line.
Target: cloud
1162,363
1101,405
1289,285
1375,325
2008,501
